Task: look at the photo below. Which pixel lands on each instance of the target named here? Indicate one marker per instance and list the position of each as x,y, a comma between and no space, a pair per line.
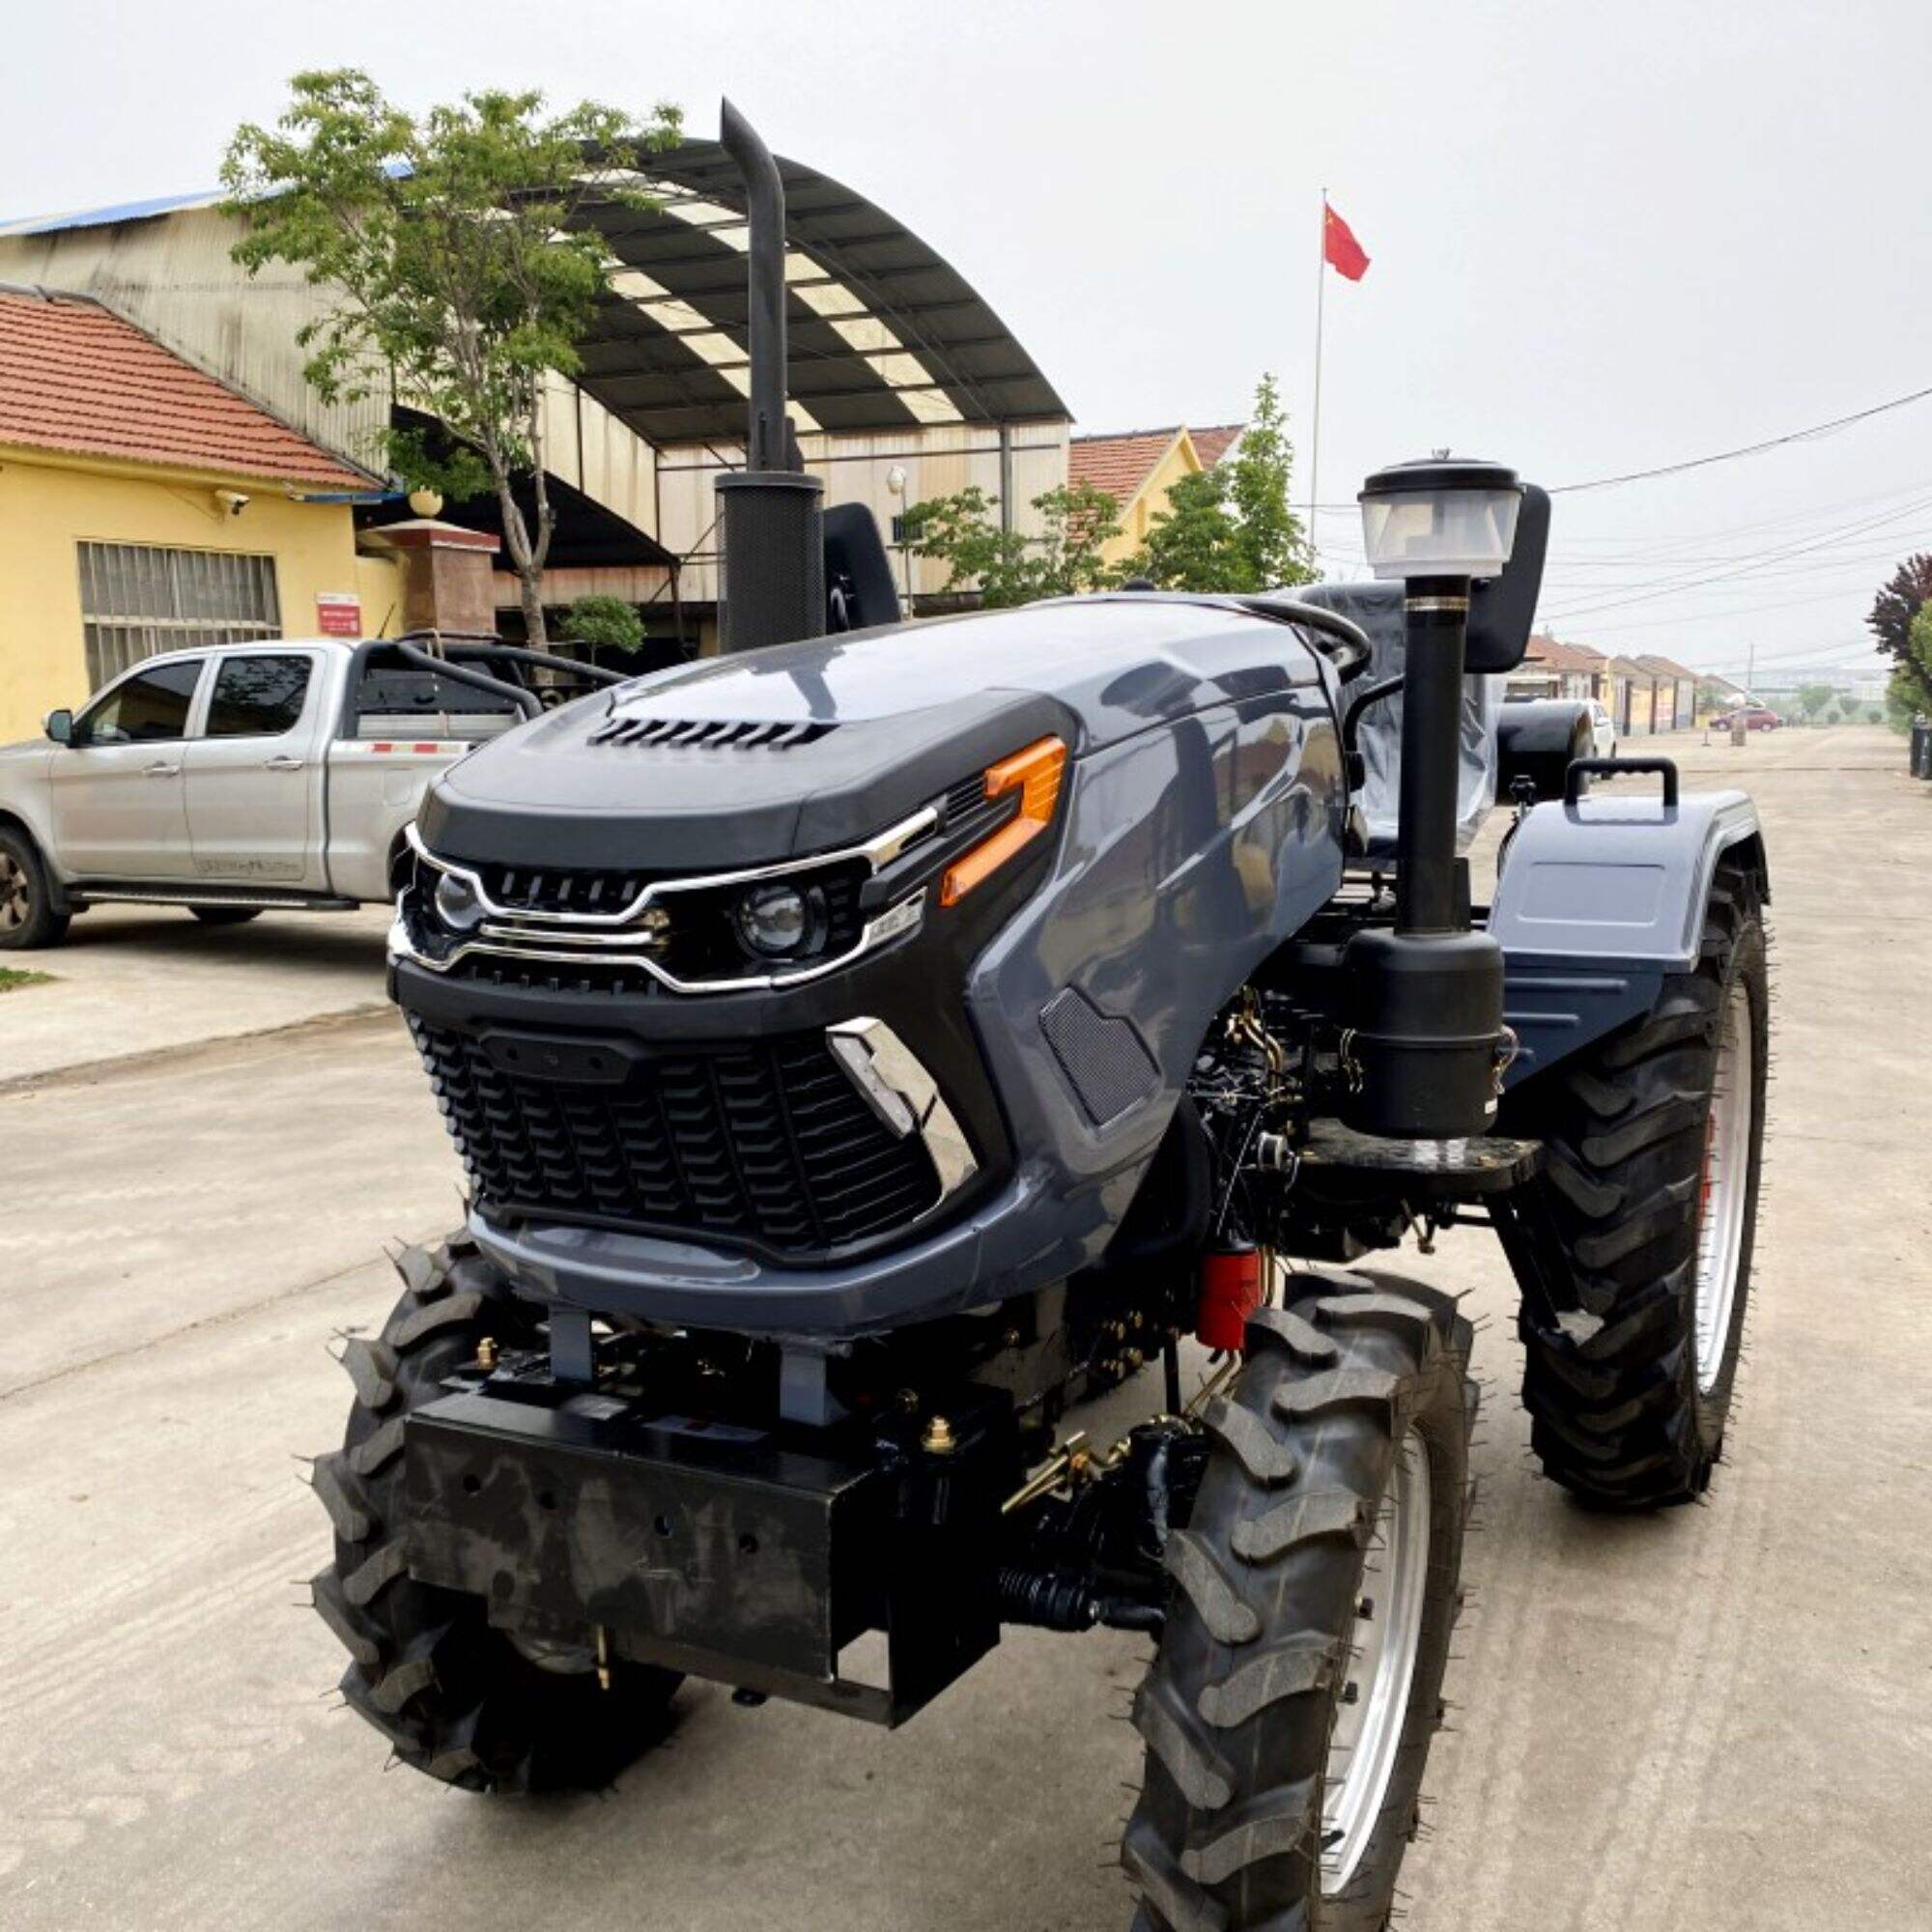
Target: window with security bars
138,599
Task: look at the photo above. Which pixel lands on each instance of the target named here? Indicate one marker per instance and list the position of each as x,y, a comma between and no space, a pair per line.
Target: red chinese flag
1339,247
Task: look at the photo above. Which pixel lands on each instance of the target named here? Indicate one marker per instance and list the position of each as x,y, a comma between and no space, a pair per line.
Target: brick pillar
447,574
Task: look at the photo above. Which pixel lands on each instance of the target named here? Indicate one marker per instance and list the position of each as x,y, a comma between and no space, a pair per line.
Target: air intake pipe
1427,1044
770,525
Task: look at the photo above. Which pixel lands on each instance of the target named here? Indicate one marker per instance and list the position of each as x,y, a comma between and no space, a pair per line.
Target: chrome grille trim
580,939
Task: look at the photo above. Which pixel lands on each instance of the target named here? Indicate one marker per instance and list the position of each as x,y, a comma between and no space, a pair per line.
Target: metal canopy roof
882,334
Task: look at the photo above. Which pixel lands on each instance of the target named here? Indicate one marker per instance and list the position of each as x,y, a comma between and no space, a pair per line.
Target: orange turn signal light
1034,773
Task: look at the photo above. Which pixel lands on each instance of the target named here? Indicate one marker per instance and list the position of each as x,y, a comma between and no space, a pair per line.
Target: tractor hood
813,746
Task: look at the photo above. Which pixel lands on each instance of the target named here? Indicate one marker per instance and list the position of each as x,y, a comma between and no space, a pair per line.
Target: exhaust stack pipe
771,588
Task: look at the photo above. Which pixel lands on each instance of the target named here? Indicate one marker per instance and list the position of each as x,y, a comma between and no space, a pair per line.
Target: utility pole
1750,673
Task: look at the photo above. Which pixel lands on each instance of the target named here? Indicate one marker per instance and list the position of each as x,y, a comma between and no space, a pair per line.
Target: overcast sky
1602,238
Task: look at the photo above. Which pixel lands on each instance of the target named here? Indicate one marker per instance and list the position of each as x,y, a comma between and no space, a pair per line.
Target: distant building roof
76,377
1214,442
1665,666
1121,464
1562,657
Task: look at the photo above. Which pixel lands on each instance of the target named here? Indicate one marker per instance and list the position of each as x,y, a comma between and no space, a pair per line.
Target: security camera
234,501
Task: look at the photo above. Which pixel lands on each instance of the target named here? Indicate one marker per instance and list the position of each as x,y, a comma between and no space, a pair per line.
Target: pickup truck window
147,709
394,696
258,697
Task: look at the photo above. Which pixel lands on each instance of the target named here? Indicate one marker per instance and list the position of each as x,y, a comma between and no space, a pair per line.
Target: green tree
1269,541
1813,699
1194,543
603,623
1078,520
1230,528
1893,614
1906,689
450,249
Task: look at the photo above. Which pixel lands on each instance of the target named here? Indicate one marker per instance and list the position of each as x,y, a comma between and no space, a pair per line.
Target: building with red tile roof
77,378
1123,461
1213,442
1139,466
1552,668
146,506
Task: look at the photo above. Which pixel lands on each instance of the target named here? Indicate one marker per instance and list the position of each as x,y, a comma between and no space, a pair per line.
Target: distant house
1674,692
1136,468
1551,669
1217,443
1631,696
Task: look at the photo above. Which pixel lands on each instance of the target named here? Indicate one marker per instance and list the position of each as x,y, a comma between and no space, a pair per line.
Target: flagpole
1314,423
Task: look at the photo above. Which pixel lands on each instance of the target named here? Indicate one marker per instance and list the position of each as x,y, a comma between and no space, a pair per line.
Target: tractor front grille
766,1144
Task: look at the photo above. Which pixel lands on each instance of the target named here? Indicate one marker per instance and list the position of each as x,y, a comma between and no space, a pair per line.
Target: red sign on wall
338,614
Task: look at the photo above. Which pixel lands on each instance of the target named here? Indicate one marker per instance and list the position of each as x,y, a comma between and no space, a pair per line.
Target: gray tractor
869,1047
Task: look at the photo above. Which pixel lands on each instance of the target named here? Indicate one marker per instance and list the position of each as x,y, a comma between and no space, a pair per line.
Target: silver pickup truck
239,779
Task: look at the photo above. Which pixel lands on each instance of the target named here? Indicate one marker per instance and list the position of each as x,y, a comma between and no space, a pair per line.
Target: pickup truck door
255,771
116,793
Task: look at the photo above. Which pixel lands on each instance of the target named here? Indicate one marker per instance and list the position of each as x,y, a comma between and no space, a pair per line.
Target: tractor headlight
457,904
778,921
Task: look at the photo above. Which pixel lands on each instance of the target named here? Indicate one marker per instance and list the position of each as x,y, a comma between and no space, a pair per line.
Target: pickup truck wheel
1636,1248
1289,1712
456,1699
28,918
225,914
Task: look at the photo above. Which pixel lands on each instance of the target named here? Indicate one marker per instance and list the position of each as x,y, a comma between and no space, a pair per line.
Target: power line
1669,587
1746,449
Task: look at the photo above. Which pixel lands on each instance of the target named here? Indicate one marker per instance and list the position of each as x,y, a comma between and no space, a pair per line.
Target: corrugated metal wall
937,461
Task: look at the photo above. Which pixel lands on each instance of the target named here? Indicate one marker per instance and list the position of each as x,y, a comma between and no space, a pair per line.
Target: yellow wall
49,504
1179,461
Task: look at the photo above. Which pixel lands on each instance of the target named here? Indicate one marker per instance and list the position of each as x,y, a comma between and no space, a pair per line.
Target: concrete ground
136,979
1718,1718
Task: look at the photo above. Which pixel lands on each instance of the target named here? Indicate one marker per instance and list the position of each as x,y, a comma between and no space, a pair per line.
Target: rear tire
1289,1712
456,1699
1642,1228
28,918
225,914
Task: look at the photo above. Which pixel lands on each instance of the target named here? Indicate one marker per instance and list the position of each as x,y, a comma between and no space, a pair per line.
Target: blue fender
1599,901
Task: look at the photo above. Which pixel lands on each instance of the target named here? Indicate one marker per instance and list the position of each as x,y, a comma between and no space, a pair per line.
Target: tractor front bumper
754,1557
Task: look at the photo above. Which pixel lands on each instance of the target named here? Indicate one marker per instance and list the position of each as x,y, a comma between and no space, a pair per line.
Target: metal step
107,893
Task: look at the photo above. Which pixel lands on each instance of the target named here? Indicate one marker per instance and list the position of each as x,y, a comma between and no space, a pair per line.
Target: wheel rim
15,901
1722,1187
1367,1735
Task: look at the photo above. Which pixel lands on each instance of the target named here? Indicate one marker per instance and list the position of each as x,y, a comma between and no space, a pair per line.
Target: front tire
454,1696
1636,1250
1289,1712
28,920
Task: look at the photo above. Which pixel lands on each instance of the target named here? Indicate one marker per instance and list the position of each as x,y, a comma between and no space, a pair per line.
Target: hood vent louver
708,734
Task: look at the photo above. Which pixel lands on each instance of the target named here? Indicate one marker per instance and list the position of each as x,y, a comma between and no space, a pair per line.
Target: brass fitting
486,1354
939,1438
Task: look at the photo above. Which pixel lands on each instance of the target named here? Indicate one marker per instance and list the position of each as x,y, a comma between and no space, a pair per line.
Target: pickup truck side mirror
60,727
